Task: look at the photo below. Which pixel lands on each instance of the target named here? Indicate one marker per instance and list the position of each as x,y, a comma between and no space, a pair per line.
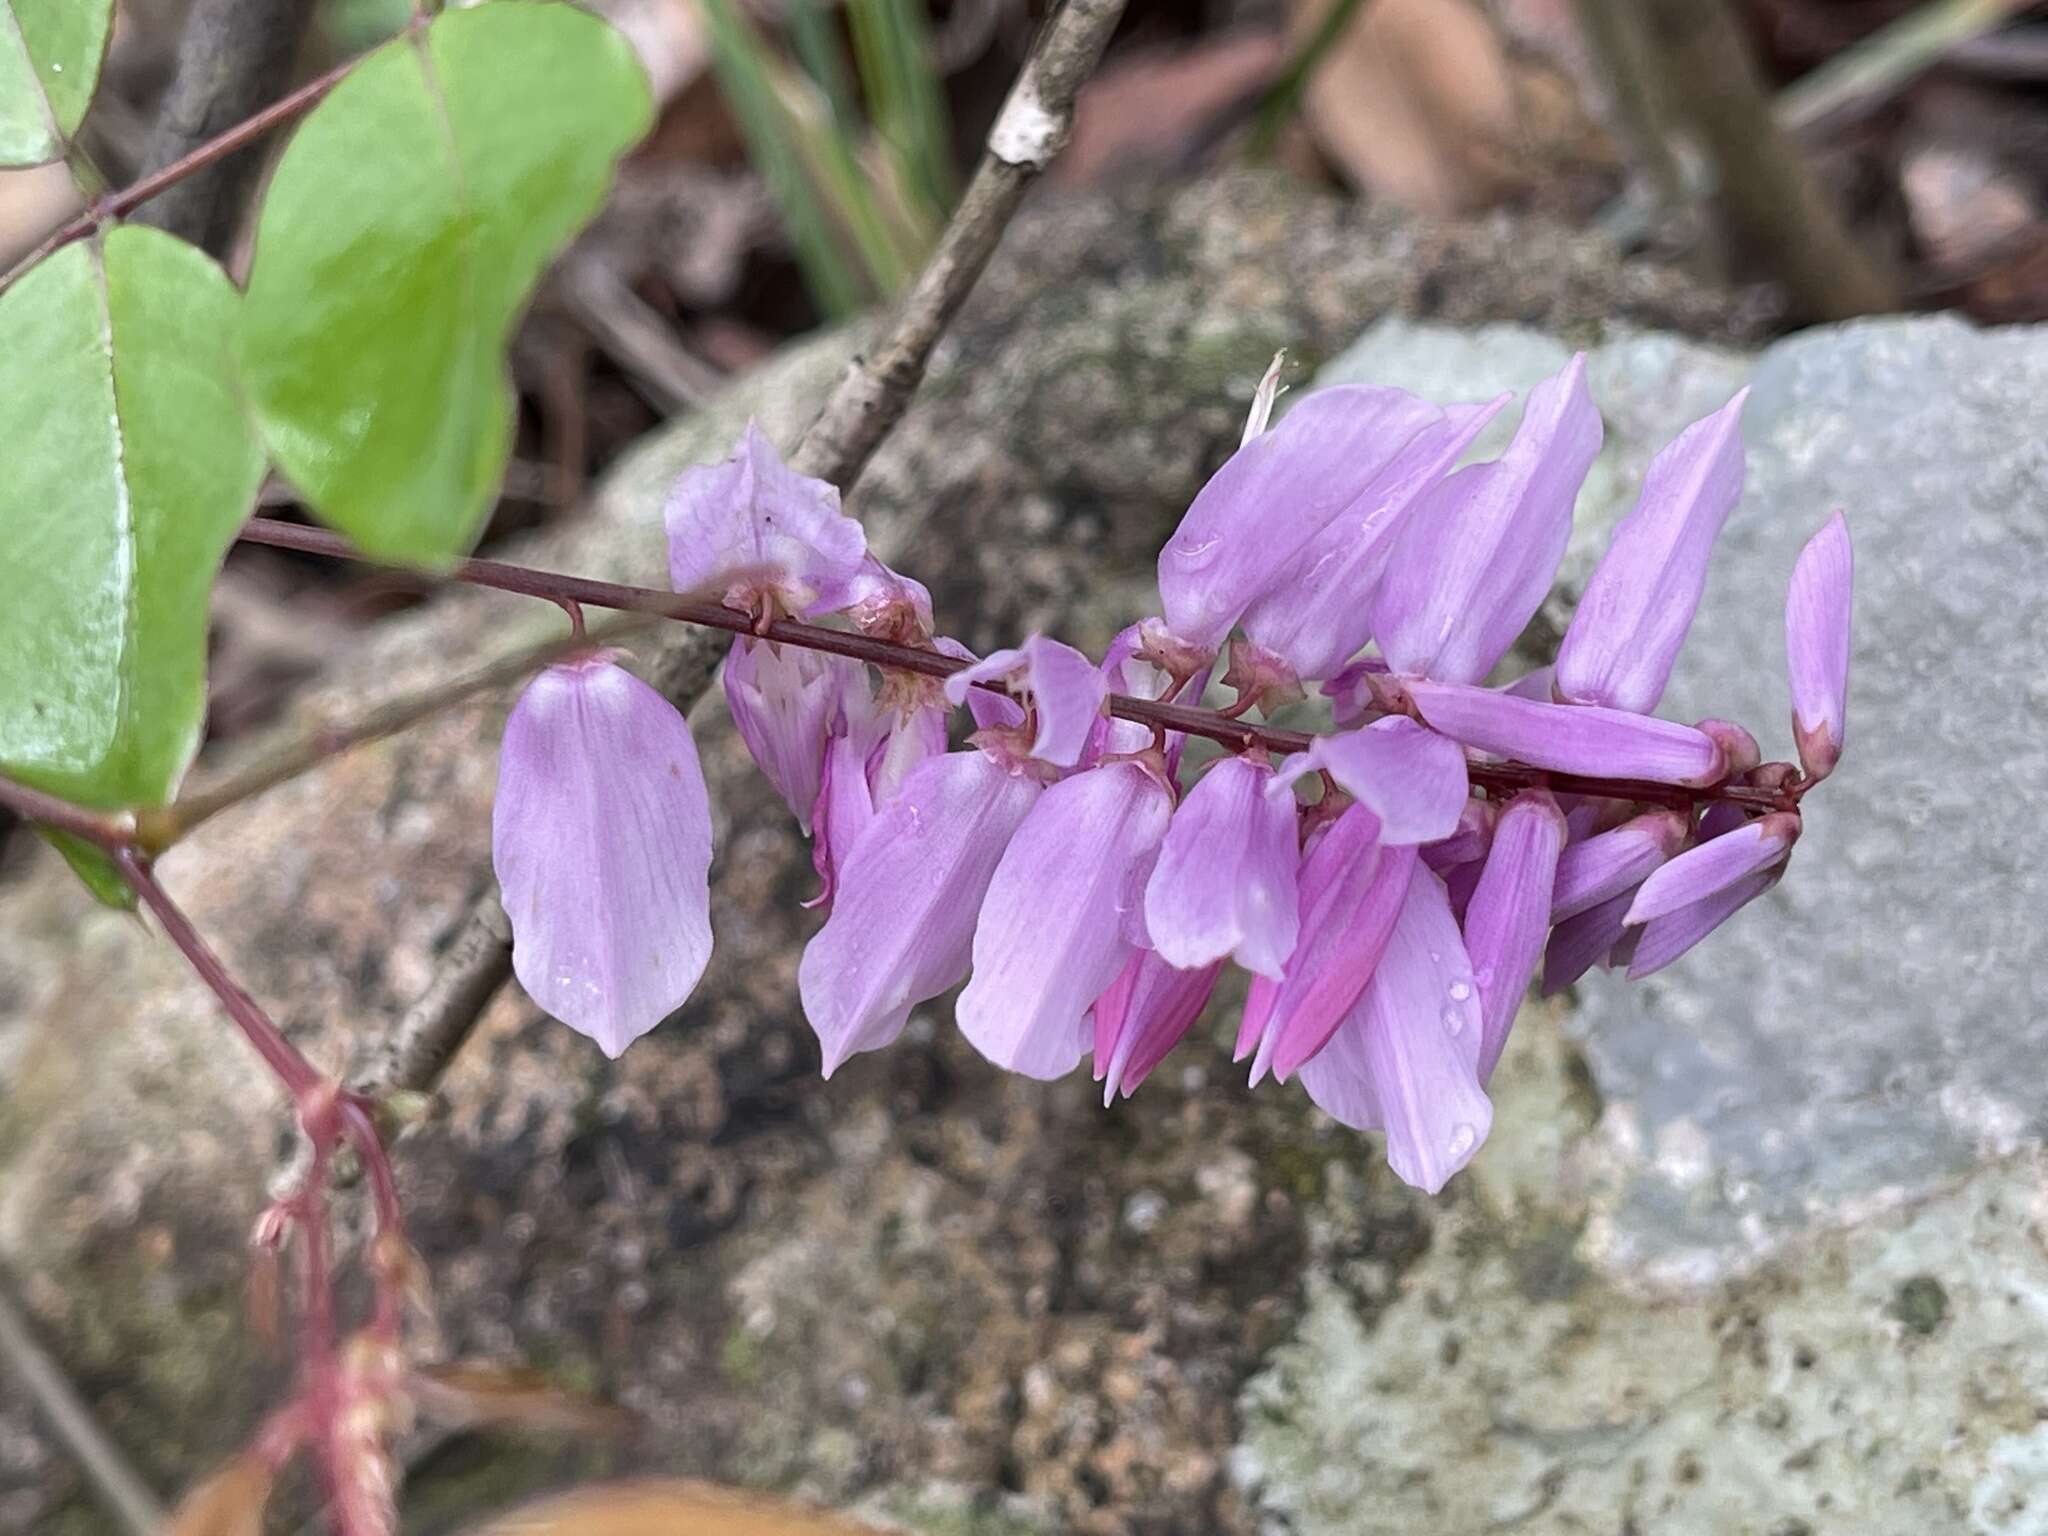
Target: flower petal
601,838
751,527
1051,936
1509,914
1066,690
1143,1015
1641,598
1412,779
1318,613
1479,551
1605,865
783,699
1571,738
1412,1043
1817,645
902,923
1274,495
1224,883
1713,866
1579,943
1469,843
1665,938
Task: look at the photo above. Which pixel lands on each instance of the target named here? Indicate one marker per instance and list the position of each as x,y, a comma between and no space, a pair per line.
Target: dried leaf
1158,109
1414,102
468,1393
229,1503
669,1508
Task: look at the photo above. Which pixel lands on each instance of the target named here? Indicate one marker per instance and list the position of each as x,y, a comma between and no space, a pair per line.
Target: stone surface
1758,1243
921,1289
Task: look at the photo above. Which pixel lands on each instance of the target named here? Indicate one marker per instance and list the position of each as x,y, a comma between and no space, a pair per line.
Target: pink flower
1817,646
755,534
1062,917
1224,883
601,837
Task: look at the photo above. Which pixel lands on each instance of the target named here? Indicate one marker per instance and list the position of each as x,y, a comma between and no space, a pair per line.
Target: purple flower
1570,738
1582,941
1412,779
1406,1058
1641,598
1317,614
1817,646
1478,552
1468,844
1664,939
601,837
1351,891
903,913
1056,925
870,751
880,602
755,534
1509,914
1272,497
1224,883
1605,865
1713,866
1143,1015
1064,687
783,700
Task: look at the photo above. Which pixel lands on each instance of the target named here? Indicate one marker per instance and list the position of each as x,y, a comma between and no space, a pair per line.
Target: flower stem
1217,726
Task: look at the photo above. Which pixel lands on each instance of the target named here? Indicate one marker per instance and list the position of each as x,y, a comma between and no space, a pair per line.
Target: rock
1758,1241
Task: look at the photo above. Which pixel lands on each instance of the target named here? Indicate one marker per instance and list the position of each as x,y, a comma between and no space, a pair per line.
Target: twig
106,1469
476,963
1028,133
231,55
128,199
1775,206
1642,104
620,321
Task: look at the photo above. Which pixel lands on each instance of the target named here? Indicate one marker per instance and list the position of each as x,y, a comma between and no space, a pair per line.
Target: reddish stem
279,1054
119,204
1505,778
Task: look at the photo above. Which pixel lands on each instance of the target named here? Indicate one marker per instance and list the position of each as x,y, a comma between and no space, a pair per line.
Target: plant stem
128,199
1217,726
279,1054
1029,132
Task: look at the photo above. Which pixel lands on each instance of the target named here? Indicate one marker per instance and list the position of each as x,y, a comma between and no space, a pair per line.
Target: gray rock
1756,1245
1872,1027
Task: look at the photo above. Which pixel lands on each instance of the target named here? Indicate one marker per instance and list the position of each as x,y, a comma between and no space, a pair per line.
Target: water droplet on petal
1454,1020
1460,991
1463,1139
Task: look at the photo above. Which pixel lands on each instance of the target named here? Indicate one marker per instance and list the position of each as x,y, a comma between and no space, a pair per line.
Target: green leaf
50,53
404,231
129,466
96,868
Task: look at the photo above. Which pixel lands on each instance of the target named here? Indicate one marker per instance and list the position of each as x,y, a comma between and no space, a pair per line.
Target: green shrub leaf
50,53
407,225
129,466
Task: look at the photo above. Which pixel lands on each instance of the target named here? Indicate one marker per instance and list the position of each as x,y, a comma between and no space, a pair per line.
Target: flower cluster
1087,888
